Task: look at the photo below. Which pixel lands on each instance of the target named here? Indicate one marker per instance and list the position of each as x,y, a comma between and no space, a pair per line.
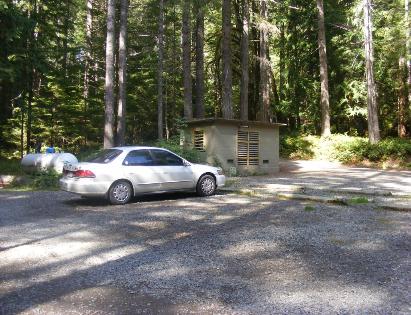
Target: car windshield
104,156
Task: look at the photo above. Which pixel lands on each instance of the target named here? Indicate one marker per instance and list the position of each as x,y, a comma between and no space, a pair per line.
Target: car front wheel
120,193
206,186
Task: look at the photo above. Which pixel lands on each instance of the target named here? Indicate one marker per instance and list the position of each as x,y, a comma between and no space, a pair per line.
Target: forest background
88,73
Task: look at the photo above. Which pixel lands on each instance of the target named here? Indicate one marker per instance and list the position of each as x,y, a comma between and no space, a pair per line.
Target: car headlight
220,171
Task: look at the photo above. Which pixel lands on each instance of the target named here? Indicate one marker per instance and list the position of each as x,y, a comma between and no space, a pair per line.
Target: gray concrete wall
270,150
221,145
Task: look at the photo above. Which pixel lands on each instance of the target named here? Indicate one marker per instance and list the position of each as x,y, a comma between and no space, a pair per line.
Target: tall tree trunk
199,112
408,47
166,114
21,128
402,98
186,41
88,58
30,71
160,109
264,65
29,109
175,63
122,74
109,81
276,96
253,99
227,107
218,87
244,61
325,98
282,62
65,37
373,126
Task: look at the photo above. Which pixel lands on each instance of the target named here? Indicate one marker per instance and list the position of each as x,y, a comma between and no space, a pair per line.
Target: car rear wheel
120,193
206,185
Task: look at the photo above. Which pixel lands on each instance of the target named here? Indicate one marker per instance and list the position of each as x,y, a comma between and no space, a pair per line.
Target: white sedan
123,172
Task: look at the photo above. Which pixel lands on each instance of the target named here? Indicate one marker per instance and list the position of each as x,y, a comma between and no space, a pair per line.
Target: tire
120,192
206,186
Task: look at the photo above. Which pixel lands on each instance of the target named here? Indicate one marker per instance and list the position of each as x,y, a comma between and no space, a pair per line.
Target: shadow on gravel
20,208
98,202
175,253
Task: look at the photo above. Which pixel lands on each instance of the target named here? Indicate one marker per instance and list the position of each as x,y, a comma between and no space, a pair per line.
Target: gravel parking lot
227,254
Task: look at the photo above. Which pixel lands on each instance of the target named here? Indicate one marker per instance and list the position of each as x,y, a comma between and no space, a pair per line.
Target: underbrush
10,166
390,152
45,180
189,153
296,147
38,181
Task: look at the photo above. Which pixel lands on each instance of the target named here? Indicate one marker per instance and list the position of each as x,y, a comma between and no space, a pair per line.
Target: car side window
138,158
162,157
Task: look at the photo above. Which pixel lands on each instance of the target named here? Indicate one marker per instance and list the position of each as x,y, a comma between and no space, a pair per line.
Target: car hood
205,167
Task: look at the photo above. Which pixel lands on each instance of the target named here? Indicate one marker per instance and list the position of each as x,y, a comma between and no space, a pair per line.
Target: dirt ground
180,254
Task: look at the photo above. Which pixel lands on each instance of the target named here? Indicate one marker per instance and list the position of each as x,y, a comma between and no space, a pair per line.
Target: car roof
130,148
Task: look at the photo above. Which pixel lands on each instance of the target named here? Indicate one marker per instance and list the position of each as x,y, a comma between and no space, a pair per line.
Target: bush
10,167
38,181
295,147
345,149
349,149
398,148
189,153
45,180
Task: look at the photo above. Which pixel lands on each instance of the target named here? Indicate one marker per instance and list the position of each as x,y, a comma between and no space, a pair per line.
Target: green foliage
10,167
86,152
295,147
216,161
44,49
189,153
230,182
345,149
45,181
38,181
359,149
358,201
309,208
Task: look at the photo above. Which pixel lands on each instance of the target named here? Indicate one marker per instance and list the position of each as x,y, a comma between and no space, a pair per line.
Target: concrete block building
237,146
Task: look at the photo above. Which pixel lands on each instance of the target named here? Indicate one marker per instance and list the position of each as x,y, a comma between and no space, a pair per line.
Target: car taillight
84,173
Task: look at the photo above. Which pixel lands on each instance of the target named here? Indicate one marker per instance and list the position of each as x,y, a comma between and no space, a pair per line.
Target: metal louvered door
248,148
199,140
242,148
253,148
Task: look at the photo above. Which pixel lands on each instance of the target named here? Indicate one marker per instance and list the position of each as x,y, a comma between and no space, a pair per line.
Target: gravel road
323,175
227,254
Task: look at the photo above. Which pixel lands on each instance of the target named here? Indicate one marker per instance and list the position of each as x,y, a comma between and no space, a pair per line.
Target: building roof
235,122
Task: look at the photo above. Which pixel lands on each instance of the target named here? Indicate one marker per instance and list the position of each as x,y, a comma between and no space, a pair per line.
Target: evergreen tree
109,82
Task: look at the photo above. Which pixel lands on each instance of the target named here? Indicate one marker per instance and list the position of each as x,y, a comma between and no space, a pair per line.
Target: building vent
199,140
248,148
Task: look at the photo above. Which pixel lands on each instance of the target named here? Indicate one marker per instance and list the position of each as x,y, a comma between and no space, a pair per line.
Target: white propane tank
46,162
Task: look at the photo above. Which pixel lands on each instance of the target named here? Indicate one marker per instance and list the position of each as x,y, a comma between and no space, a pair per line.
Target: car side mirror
186,163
